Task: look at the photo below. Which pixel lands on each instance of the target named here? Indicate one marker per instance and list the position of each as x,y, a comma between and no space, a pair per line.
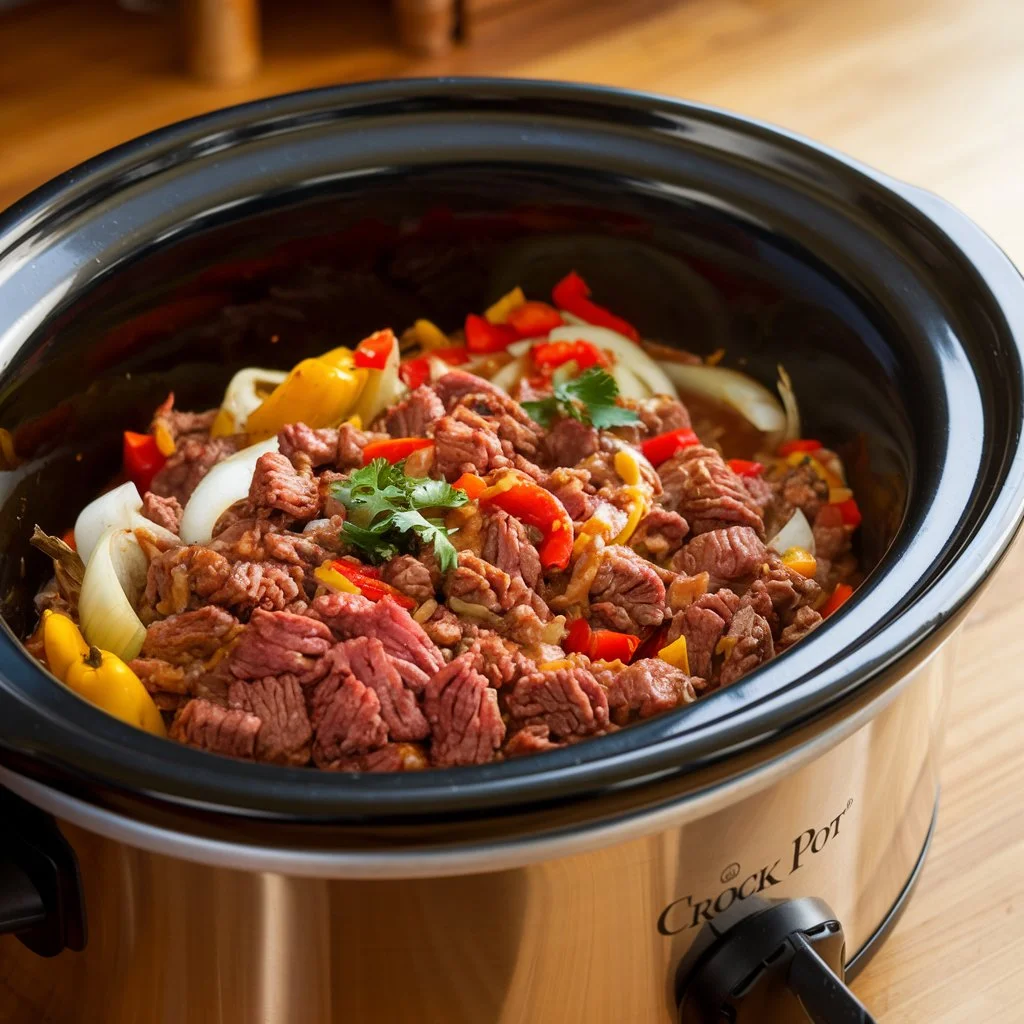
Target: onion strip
114,580
120,509
738,390
797,533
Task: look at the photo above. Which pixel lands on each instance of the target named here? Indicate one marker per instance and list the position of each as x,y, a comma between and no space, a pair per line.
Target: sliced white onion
507,377
789,403
797,533
225,484
382,388
572,318
744,394
247,390
119,508
115,577
520,348
630,386
626,352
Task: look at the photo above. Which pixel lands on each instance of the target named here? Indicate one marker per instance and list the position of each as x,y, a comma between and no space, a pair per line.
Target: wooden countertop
928,90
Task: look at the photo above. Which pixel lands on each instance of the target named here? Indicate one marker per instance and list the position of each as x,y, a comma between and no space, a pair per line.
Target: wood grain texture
929,90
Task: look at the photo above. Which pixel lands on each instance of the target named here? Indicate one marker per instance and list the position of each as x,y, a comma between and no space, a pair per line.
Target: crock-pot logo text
691,912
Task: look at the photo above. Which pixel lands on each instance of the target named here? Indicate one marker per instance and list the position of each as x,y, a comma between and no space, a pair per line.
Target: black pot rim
64,742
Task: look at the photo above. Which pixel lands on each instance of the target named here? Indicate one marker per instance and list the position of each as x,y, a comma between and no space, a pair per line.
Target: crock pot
163,884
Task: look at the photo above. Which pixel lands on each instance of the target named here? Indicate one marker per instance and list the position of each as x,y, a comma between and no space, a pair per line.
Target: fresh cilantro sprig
386,511
589,398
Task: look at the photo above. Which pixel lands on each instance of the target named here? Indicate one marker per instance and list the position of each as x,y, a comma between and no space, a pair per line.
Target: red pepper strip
533,319
68,536
599,644
745,467
371,588
347,566
664,446
839,597
577,639
372,352
394,449
572,295
850,512
415,372
472,484
537,507
484,337
789,447
549,355
142,459
654,643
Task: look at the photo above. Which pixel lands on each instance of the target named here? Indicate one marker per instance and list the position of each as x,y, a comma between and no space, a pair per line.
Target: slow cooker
711,864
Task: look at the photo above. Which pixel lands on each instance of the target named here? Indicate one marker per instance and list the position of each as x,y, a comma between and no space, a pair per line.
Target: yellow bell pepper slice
330,577
430,336
63,643
320,392
637,510
800,560
498,313
627,466
223,424
725,645
676,654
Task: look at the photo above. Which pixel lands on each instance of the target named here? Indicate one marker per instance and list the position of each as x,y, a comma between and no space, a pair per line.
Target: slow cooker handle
777,960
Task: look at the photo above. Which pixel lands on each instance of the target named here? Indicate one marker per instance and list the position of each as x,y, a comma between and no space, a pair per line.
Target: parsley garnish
387,510
589,398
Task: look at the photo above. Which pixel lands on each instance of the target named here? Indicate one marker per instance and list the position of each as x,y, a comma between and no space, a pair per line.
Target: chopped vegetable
534,319
837,599
415,372
68,567
483,337
800,560
368,583
121,508
394,449
798,445
745,467
115,577
662,447
797,533
386,511
654,643
142,459
326,574
372,352
677,654
573,295
472,484
789,403
850,511
599,644
588,398
741,392
499,311
549,355
532,504
429,335
245,393
628,356
382,387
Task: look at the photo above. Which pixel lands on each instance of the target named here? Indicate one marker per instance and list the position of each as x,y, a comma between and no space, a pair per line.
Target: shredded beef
463,714
569,701
569,442
414,416
410,576
507,545
191,461
277,485
531,739
703,624
627,593
805,621
753,646
660,534
165,512
280,643
706,492
319,446
648,687
727,554
278,702
208,726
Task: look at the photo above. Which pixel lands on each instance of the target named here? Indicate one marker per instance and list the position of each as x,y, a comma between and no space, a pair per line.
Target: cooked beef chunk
456,383
169,685
799,487
351,615
446,629
572,488
351,442
392,757
165,512
660,414
319,446
569,441
569,701
461,447
648,687
280,643
346,718
414,416
706,492
753,645
183,425
507,545
463,714
260,540
190,636
410,576
478,582
786,589
230,731
805,621
531,739
277,485
191,461
732,553
505,418
703,624
760,490
500,660
831,536
660,534
278,702
627,593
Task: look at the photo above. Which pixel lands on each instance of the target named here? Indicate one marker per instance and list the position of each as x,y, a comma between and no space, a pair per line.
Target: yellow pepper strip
430,336
725,645
595,527
330,577
800,560
677,654
100,677
799,458
498,313
837,495
320,392
627,467
223,424
164,442
637,510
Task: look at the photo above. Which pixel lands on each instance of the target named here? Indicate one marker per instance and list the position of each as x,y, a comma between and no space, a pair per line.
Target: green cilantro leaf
542,411
589,398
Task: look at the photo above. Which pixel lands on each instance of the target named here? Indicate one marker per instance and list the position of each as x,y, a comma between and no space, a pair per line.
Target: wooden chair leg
222,39
425,26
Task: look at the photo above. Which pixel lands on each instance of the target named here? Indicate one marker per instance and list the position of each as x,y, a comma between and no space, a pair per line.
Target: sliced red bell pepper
850,512
549,355
533,319
472,484
572,295
372,352
394,449
599,644
142,459
746,467
577,637
533,505
837,599
415,372
346,566
370,586
664,446
483,337
799,445
654,643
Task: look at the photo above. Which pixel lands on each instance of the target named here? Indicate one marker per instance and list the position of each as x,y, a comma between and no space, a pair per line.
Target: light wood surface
929,90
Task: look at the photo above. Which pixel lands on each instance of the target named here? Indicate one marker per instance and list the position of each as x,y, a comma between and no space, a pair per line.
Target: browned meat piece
476,581
190,636
799,487
351,442
221,730
660,414
504,417
499,660
169,685
660,534
330,506
165,512
760,490
278,702
831,537
410,576
463,714
279,643
804,622
446,629
366,659
184,576
728,554
319,446
627,593
531,739
267,585
569,442
456,383
706,492
603,474
350,615
191,461
183,424
572,488
648,687
345,714
260,540
277,485
414,416
753,645
463,448
392,757
704,623
507,545
569,701
787,590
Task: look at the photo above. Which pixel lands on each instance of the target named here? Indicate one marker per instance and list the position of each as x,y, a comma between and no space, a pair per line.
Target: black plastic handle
823,995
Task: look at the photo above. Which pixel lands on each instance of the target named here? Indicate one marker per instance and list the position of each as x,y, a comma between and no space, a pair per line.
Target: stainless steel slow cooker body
563,887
